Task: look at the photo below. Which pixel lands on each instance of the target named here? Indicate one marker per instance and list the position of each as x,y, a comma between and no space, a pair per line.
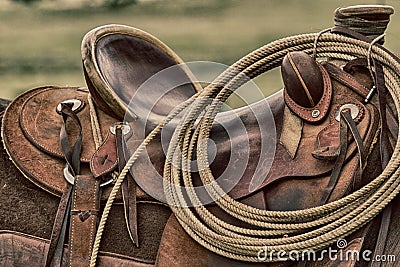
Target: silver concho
76,104
354,111
125,128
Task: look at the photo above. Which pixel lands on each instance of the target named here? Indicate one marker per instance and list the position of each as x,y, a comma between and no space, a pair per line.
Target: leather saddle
302,125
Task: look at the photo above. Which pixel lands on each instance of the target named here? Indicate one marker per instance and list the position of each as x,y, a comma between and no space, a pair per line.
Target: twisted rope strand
314,228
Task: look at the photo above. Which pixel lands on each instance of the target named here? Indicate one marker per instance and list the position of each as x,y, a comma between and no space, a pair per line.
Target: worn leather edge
101,253
97,83
24,171
323,105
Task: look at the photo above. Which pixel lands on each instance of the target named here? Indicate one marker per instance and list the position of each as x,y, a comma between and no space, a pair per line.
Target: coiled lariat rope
300,230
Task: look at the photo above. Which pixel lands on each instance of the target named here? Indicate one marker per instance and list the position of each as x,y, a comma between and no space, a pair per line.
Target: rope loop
308,229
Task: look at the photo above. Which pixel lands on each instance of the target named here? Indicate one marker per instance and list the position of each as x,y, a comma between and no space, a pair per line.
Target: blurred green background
40,41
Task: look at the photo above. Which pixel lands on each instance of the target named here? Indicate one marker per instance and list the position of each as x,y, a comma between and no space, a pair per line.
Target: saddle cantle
118,59
39,118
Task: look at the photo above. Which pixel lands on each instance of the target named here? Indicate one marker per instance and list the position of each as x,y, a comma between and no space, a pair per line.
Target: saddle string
55,251
314,54
346,124
386,150
369,65
326,223
128,187
123,173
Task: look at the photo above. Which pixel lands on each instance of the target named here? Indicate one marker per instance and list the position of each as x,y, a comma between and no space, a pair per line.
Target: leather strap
346,79
128,188
84,217
105,159
72,156
350,33
339,161
346,124
386,151
55,252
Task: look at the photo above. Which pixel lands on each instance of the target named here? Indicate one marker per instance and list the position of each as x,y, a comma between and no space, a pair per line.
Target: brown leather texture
302,79
105,159
20,250
308,89
31,122
85,212
283,166
41,123
116,57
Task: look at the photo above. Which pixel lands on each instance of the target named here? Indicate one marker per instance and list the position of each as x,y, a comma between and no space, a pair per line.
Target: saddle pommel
308,87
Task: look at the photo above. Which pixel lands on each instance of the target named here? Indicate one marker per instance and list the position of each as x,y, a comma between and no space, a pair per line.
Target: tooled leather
50,179
327,144
288,187
323,105
82,232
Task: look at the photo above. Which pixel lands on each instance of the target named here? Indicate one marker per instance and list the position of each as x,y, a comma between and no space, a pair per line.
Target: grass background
41,46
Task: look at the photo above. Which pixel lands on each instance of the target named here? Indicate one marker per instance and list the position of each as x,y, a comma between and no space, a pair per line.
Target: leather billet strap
128,188
80,201
386,151
84,217
346,124
72,158
55,251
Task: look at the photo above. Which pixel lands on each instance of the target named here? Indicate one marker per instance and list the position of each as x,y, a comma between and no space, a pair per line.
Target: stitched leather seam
326,96
73,223
92,222
32,138
336,75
